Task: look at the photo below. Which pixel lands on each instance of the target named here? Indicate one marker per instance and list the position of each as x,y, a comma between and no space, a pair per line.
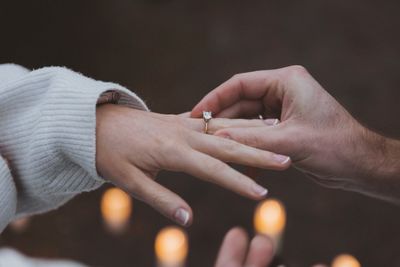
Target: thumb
277,139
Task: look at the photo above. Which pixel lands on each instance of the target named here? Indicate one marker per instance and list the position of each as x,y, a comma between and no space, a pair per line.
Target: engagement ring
207,116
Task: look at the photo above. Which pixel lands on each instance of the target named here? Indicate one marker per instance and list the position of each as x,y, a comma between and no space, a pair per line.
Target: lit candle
270,219
345,260
171,247
116,209
20,225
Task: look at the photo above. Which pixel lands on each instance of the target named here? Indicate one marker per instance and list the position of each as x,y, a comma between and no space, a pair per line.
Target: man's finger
160,198
243,109
231,151
261,252
277,139
233,249
215,171
249,86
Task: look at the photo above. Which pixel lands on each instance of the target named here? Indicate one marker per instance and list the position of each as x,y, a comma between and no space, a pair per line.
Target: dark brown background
172,53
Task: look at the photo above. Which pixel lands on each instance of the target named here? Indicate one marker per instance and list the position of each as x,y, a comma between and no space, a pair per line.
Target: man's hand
236,251
321,137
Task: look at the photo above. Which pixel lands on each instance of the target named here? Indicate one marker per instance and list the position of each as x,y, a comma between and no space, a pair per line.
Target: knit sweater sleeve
48,136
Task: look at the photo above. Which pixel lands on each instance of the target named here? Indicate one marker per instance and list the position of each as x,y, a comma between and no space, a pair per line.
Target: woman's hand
133,145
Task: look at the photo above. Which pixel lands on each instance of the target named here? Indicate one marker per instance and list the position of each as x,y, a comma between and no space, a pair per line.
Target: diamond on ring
207,116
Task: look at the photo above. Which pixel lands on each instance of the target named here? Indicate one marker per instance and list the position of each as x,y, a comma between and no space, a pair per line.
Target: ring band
207,116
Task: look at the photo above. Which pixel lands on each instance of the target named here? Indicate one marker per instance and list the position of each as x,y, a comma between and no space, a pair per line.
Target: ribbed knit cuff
8,196
69,115
48,133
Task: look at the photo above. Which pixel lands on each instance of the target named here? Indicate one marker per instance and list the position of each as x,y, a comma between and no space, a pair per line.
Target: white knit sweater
48,136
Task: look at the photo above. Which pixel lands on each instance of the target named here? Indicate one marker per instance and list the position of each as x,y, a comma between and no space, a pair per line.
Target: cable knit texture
48,136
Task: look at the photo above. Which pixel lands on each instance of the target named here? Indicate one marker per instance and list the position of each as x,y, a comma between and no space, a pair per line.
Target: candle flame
345,260
116,208
270,218
20,225
171,246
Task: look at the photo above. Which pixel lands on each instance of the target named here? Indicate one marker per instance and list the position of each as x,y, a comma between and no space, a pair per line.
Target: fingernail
271,122
182,216
281,158
259,190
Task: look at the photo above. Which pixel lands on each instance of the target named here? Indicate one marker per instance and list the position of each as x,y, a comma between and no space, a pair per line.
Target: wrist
105,114
389,169
377,165
371,157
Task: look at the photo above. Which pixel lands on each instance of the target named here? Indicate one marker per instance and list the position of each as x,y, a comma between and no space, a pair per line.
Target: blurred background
172,53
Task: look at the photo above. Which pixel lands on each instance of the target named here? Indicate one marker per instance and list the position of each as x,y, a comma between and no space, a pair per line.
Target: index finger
233,249
251,85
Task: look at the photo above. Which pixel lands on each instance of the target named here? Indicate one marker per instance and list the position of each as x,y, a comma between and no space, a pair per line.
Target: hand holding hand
319,135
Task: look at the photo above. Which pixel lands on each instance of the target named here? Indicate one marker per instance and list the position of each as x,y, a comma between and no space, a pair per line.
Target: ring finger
216,124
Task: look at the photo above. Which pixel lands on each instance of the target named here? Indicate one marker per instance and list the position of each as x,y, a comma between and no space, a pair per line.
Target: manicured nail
271,122
281,158
182,216
259,190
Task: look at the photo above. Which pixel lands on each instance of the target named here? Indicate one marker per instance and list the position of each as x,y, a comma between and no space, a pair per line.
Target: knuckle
235,76
132,186
297,71
292,139
169,146
169,117
215,166
158,200
178,121
237,79
224,133
256,141
174,159
230,146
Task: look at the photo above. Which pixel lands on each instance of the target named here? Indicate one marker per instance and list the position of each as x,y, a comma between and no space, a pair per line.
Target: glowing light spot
345,260
270,218
116,209
171,247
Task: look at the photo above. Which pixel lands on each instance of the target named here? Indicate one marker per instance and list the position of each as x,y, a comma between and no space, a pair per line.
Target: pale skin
134,145
237,251
322,139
